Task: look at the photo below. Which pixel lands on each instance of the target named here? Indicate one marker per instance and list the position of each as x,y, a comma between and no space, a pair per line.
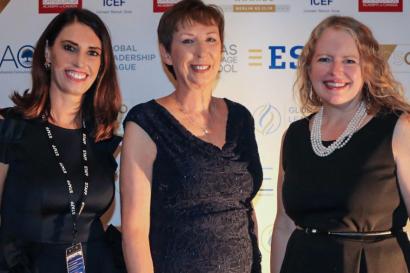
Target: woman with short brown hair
190,166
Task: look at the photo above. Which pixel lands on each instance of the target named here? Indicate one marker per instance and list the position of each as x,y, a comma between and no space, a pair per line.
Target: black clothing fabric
201,194
355,189
36,225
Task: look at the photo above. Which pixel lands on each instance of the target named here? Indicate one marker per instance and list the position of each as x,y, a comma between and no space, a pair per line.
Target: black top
353,189
35,207
201,194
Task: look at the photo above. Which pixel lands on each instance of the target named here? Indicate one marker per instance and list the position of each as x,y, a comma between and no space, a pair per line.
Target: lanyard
72,205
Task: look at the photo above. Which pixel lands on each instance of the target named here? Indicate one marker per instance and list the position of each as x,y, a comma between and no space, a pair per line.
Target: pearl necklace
343,139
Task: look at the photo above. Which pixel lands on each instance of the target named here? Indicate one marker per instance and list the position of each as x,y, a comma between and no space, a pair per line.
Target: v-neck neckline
195,138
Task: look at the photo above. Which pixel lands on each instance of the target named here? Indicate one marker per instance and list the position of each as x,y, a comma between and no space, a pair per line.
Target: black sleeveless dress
354,189
201,195
36,224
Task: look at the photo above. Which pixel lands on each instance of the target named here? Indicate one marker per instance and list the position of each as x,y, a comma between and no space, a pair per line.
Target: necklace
204,129
343,139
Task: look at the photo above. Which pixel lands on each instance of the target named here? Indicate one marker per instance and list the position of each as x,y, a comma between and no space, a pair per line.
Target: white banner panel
263,41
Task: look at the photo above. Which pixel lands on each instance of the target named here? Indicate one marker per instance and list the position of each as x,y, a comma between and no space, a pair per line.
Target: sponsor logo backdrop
263,41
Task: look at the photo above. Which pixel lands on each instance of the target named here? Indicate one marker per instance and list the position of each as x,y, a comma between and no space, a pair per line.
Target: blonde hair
380,90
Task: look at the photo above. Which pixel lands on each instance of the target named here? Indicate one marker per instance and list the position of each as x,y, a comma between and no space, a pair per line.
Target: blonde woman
344,182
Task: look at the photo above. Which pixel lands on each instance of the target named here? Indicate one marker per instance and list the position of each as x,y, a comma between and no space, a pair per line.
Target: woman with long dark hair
57,168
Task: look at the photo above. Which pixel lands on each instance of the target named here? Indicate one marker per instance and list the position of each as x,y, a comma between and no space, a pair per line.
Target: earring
47,66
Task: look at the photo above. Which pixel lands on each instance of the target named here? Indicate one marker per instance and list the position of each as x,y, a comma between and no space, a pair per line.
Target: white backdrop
263,41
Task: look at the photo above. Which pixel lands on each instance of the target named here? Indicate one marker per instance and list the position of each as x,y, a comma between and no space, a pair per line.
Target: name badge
75,259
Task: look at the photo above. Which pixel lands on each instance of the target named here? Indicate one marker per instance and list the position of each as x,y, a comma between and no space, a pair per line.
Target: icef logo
113,3
320,2
267,119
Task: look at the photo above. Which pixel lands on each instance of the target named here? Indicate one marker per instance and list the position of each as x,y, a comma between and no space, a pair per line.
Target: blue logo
277,54
25,56
16,59
267,119
115,7
321,2
321,6
113,3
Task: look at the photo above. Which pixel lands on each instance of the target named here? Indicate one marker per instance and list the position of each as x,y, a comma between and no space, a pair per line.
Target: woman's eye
187,41
69,47
350,61
94,53
324,60
211,39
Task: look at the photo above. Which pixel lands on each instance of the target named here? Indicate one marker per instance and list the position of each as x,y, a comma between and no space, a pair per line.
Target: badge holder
75,259
74,255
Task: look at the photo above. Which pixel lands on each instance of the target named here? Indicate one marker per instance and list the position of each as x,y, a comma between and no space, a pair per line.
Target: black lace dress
355,189
36,224
201,195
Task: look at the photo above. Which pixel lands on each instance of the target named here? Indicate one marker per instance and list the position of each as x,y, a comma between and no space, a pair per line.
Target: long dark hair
101,103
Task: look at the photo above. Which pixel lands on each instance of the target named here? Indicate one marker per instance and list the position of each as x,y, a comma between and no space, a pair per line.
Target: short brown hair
101,103
380,89
187,12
